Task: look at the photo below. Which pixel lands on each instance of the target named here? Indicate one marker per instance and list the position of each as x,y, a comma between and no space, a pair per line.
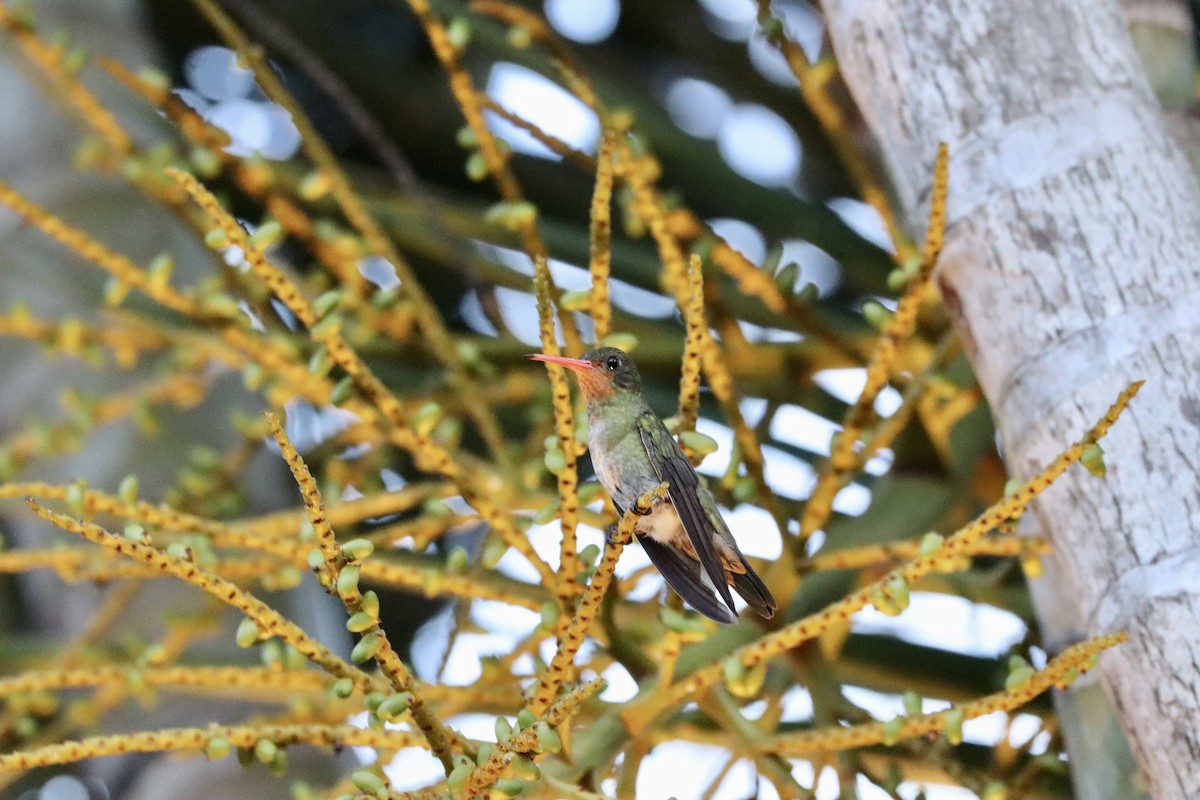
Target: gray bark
1072,267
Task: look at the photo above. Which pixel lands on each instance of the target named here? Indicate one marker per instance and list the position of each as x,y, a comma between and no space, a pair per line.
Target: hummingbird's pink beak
576,364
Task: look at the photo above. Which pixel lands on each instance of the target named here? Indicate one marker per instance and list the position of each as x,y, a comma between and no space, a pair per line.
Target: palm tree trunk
1072,267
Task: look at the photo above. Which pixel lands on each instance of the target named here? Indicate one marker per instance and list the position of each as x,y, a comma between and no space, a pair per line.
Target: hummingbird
633,452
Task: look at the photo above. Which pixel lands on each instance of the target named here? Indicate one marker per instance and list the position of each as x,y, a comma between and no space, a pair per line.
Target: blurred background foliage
716,104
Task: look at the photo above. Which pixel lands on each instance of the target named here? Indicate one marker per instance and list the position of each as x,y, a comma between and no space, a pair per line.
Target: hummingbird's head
602,372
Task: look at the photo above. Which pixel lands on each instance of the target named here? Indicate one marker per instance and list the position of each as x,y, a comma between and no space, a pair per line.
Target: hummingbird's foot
643,511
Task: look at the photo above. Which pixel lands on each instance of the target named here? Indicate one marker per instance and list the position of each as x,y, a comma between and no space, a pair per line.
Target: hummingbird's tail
753,590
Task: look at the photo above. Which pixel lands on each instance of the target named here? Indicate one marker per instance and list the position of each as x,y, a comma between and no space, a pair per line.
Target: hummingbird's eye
612,362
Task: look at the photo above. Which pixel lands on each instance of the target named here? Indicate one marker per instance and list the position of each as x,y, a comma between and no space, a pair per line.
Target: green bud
749,683
459,32
525,718
370,603
1069,677
313,186
266,235
891,730
135,532
510,786
912,702
373,701
457,778
898,590
576,300
548,738
1018,677
127,492
733,669
359,622
622,341
216,239
264,750
698,443
77,497
328,327
426,418
876,314
367,647
326,302
392,708
514,214
341,391
519,37
370,784
279,762
525,768
248,633
456,560
316,559
486,751
357,549
271,653
217,747
466,138
547,513
347,581
555,461
954,725
154,78
549,611
342,688
785,279
493,550
476,166
205,162
589,554
930,544
1093,459
1012,486
504,730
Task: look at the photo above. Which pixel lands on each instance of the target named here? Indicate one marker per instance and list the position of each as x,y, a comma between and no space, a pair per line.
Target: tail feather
754,591
684,575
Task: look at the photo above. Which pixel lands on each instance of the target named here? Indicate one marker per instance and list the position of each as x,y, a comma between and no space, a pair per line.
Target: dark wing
672,466
682,574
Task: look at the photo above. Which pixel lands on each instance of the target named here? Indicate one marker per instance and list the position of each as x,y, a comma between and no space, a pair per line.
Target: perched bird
633,452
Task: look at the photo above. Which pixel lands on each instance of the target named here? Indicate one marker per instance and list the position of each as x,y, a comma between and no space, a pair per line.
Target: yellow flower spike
600,262
697,327
563,457
198,739
827,740
326,541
